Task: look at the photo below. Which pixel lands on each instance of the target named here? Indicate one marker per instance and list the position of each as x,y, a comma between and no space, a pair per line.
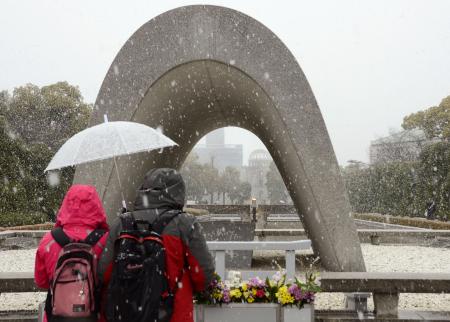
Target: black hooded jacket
163,188
187,254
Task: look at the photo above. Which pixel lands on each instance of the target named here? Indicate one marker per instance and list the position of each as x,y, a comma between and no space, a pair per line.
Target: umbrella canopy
108,140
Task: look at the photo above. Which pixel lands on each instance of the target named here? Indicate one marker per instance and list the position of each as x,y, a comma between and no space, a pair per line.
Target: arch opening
232,166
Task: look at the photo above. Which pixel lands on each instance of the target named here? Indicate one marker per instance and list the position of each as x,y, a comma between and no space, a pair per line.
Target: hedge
20,219
403,188
405,221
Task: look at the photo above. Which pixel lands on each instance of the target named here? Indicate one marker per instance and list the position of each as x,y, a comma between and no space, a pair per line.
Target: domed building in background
256,174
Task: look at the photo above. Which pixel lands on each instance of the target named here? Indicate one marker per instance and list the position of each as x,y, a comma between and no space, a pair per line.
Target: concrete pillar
386,304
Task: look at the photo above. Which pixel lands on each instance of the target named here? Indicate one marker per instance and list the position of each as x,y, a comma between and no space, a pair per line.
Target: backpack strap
94,236
60,236
128,222
163,220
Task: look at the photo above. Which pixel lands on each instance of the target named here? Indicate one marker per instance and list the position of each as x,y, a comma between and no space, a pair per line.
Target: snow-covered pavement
396,258
381,258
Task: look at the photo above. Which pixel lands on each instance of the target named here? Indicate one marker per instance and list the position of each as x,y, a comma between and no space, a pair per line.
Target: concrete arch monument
197,68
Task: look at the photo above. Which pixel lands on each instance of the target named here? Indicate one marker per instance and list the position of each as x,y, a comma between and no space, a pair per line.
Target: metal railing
219,248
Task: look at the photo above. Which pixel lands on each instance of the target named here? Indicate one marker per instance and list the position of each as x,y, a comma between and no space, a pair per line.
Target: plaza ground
381,258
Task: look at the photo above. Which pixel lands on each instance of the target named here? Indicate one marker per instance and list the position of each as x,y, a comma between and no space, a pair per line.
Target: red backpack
73,291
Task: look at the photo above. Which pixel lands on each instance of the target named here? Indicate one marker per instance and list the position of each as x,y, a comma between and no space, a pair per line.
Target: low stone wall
223,209
46,226
406,221
428,237
20,239
277,209
264,210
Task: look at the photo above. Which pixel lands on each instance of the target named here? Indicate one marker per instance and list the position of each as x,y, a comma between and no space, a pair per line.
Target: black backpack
138,290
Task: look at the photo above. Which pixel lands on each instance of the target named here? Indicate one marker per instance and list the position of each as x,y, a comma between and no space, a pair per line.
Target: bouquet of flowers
274,290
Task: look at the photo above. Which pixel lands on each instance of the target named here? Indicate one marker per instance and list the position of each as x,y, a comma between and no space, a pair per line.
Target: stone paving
395,258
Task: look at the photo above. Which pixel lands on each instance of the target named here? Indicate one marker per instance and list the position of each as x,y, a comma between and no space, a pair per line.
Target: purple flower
214,283
226,295
296,292
309,297
256,282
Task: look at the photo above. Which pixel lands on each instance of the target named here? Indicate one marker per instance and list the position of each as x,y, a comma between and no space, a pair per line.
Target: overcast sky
369,63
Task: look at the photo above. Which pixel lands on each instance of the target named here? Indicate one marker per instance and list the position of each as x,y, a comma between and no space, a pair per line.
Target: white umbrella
108,140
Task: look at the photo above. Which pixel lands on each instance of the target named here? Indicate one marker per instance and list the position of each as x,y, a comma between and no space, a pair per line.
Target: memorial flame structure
198,68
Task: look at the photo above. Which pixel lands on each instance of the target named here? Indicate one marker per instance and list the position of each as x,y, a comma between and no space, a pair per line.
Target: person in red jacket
187,254
81,213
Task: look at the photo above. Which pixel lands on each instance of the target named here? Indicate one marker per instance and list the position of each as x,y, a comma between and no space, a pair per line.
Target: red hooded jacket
81,212
187,254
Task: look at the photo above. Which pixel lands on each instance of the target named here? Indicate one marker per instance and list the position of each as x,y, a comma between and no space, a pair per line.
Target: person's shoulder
47,237
186,215
46,240
186,218
184,222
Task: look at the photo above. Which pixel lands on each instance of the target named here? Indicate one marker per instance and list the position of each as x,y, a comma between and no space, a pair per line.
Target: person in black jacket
187,254
431,210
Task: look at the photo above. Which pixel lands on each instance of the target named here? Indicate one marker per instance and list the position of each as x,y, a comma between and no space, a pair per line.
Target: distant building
256,174
398,147
219,154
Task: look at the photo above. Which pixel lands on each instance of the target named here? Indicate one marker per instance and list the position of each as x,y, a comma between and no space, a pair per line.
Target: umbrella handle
124,204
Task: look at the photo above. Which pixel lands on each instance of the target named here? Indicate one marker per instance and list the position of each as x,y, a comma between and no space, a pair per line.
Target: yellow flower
236,293
283,295
217,295
250,300
244,287
254,292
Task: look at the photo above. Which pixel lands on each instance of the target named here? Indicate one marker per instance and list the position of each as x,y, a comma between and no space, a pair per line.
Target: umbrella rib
123,142
78,150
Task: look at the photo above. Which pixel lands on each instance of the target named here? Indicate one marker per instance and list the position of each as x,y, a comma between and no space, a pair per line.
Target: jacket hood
162,188
82,207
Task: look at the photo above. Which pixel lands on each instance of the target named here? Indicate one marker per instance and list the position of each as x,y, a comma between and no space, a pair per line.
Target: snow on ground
19,261
382,258
396,258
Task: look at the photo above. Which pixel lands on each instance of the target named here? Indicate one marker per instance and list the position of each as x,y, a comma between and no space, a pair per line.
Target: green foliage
241,193
384,188
4,101
192,172
434,176
12,219
434,121
13,171
403,188
48,115
34,123
200,179
276,189
229,183
203,181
